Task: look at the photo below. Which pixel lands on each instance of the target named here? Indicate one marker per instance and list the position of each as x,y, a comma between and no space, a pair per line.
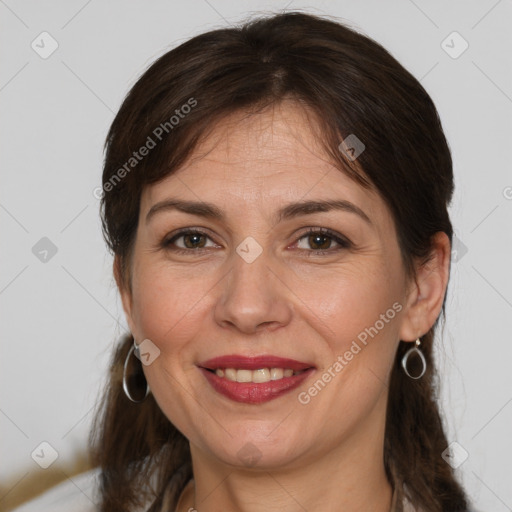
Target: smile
256,376
254,380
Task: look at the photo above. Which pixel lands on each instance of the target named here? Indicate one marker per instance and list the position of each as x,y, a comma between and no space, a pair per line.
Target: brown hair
354,86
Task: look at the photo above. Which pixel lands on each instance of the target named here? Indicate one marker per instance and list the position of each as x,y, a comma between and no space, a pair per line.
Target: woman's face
254,284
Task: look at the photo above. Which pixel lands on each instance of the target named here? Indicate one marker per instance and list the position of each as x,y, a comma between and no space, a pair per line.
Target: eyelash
341,241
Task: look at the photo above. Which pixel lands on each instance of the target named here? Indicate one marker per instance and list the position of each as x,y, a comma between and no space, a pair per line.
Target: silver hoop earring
135,386
418,353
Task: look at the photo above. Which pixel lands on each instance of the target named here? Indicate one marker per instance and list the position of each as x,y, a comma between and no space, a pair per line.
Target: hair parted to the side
353,86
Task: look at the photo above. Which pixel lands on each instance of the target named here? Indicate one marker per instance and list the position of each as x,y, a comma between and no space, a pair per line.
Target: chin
256,449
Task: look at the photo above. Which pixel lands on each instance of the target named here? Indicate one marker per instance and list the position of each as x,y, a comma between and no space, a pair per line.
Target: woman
275,197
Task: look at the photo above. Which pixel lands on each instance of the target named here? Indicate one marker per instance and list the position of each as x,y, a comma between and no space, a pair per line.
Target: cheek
359,322
359,327
168,310
164,304
346,303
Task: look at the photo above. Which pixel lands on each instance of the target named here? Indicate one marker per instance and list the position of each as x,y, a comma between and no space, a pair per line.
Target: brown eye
187,241
193,240
320,241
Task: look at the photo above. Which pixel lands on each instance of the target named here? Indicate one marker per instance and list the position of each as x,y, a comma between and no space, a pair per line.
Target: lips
230,376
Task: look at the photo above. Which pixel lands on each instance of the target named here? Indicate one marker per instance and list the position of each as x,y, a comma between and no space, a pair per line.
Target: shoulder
77,494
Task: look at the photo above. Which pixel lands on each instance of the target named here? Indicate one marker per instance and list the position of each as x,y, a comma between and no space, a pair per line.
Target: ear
427,290
125,293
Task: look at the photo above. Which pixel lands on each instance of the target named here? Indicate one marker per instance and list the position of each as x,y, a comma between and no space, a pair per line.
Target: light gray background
60,318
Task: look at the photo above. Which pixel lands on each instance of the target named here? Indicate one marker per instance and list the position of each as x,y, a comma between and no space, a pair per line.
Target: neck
349,478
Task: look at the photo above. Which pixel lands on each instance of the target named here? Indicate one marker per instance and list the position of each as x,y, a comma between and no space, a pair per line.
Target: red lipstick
254,392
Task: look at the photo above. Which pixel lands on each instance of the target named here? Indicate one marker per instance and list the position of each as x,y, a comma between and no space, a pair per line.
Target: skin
291,302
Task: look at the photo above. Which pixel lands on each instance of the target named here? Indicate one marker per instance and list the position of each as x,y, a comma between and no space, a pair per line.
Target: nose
253,297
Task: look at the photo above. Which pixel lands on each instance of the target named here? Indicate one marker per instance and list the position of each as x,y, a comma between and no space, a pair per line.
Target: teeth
243,375
257,376
276,373
230,374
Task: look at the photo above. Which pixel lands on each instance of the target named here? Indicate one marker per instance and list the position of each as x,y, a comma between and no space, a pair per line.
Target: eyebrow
287,212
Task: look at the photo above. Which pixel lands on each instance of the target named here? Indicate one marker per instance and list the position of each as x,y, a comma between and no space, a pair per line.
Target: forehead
261,160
